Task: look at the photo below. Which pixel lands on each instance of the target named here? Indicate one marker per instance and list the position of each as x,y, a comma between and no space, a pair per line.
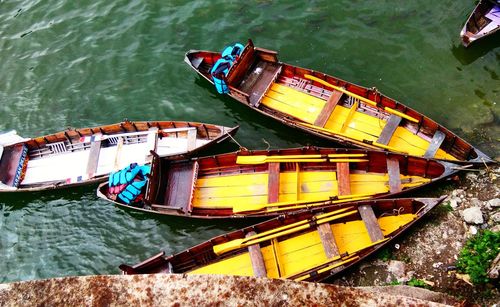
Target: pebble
494,203
473,230
495,217
437,265
473,215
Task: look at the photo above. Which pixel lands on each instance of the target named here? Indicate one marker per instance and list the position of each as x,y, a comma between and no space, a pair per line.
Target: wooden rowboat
82,156
309,245
484,21
332,108
272,182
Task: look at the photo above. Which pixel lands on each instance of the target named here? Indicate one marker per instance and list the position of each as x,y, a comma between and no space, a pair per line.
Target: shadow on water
476,50
182,223
19,200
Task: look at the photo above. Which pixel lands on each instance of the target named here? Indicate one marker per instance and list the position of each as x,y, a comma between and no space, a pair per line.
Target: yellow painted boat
332,108
272,182
310,245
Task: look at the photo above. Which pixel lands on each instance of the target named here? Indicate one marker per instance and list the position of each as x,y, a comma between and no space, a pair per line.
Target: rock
454,203
473,215
496,228
494,268
473,230
397,268
495,217
471,176
494,203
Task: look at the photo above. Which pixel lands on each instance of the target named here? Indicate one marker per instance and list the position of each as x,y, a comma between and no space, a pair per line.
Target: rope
234,140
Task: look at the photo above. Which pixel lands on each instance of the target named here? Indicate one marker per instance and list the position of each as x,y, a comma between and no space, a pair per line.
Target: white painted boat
82,156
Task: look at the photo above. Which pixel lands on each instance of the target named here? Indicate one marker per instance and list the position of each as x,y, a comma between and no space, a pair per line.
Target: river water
84,63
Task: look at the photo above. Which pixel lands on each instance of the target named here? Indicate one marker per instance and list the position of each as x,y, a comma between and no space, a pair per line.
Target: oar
268,232
350,257
260,159
236,244
358,140
361,98
254,207
272,210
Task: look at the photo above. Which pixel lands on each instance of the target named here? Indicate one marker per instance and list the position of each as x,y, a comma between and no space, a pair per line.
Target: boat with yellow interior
272,182
328,106
309,245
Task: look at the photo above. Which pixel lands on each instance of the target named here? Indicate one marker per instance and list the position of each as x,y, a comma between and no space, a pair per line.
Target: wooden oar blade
222,248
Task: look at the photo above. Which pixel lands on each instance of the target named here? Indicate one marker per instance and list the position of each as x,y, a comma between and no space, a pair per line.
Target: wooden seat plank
343,178
436,142
268,73
256,257
191,139
95,149
181,179
389,129
327,110
394,175
371,223
273,182
328,240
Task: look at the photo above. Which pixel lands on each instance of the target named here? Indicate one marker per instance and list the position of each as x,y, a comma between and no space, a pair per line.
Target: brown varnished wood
273,182
371,223
180,185
343,178
394,175
256,257
328,240
331,103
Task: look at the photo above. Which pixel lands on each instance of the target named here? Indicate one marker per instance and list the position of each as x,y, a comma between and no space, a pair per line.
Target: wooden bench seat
389,129
259,80
331,103
394,175
434,145
273,182
371,223
343,178
95,149
181,178
256,257
328,240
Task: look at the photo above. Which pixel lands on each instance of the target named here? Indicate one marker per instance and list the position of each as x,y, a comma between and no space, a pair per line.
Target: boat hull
311,245
348,114
84,156
266,183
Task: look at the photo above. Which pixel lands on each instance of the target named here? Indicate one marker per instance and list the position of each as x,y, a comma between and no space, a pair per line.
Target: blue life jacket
135,178
130,193
124,175
222,66
233,51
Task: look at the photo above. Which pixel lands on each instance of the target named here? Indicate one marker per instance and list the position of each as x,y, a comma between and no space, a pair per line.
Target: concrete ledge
192,290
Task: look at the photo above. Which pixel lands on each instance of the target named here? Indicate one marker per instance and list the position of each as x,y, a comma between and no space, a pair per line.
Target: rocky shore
426,256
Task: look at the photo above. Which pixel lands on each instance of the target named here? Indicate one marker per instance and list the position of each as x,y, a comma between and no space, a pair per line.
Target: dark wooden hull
408,172
457,149
72,141
478,25
203,255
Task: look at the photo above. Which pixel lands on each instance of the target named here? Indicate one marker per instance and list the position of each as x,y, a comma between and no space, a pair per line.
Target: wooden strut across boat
332,108
483,21
265,183
310,245
87,155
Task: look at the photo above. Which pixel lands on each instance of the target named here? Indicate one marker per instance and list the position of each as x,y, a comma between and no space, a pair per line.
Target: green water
83,63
